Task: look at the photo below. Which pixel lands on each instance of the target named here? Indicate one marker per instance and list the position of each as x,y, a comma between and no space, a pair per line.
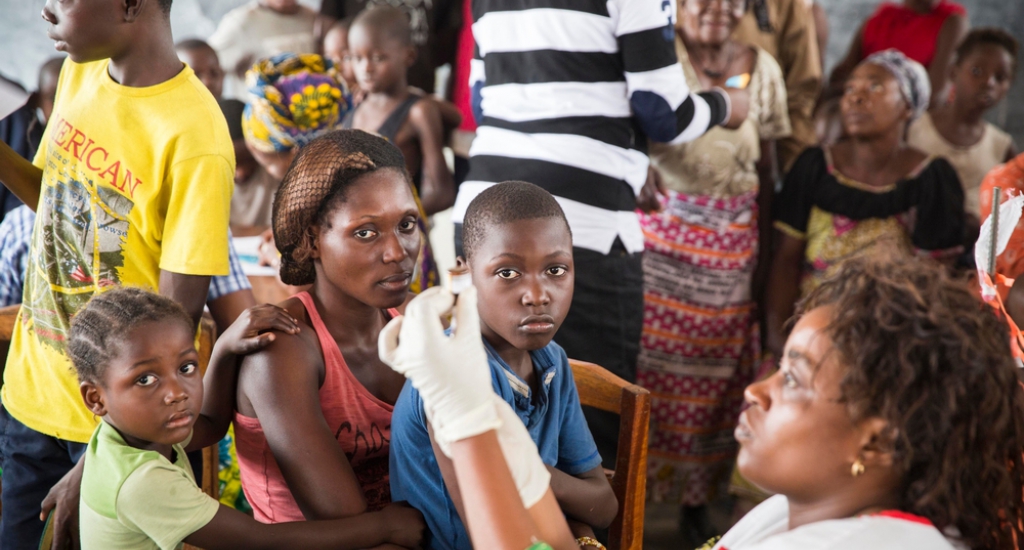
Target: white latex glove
529,472
451,373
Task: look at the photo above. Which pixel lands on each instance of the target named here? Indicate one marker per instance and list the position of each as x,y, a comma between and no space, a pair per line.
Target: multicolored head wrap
292,99
910,75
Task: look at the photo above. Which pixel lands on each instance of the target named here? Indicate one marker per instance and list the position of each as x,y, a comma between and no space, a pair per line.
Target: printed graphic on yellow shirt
79,240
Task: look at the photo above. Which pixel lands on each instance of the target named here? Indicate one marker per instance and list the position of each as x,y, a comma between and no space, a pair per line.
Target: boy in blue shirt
518,249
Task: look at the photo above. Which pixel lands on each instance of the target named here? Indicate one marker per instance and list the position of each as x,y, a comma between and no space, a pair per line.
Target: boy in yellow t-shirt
132,185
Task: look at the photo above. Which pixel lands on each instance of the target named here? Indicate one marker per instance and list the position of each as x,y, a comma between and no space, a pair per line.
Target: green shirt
137,499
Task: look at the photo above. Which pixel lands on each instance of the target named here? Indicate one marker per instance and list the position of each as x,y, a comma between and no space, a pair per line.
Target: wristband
728,104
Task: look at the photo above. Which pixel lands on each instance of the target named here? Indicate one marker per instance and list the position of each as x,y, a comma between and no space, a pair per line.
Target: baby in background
138,367
518,250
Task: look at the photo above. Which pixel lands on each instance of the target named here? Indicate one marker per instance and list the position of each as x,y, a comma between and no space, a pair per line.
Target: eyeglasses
728,5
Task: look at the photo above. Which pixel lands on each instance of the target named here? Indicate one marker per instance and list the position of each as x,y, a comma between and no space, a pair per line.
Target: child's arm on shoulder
587,497
395,526
22,177
437,190
249,333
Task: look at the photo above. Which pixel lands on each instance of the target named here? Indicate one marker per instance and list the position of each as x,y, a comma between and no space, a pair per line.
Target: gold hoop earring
857,469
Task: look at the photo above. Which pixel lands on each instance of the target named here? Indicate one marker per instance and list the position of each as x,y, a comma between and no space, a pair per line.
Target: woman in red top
314,408
926,31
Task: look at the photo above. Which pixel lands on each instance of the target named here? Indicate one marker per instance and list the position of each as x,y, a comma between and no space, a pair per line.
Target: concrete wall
25,46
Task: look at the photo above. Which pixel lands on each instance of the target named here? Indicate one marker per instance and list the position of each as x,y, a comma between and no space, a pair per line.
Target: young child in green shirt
138,368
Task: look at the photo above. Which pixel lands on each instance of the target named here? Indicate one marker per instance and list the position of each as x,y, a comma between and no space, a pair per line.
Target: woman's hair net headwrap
321,173
910,75
292,100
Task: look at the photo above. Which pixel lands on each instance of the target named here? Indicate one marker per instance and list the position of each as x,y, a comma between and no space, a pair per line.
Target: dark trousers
603,325
32,463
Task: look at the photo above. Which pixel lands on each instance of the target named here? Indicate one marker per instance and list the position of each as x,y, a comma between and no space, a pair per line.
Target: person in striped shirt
566,94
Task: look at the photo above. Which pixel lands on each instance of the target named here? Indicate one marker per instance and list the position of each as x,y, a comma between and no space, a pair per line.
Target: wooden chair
208,479
603,390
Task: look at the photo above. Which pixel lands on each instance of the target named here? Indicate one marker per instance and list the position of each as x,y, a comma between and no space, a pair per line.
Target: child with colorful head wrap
294,99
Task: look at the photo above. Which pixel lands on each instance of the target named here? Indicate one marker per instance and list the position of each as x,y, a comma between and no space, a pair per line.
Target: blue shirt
16,232
554,419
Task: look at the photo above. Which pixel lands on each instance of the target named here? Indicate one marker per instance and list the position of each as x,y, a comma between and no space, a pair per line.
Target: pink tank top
360,422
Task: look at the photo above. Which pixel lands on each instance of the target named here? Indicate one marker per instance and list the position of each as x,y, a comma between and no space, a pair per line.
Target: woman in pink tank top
314,409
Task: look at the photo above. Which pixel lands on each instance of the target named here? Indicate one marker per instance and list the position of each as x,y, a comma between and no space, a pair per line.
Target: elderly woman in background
869,189
700,340
292,100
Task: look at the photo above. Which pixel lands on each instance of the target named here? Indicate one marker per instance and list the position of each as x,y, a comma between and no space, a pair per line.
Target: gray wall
25,46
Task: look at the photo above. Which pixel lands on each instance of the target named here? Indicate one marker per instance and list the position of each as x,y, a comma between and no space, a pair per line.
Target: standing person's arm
660,99
23,178
800,60
437,190
953,31
188,290
194,243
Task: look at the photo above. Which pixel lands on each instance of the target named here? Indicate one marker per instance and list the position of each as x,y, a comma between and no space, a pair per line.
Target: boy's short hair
988,35
101,326
165,5
393,22
506,202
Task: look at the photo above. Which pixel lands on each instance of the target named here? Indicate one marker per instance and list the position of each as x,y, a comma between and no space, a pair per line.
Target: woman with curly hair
895,421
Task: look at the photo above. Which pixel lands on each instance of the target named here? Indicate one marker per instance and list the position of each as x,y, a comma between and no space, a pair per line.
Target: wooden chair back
603,390
209,480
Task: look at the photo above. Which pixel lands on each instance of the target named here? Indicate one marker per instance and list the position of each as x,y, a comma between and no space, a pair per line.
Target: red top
461,94
360,421
915,34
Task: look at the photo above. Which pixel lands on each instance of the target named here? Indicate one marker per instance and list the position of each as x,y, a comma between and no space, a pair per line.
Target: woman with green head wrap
294,99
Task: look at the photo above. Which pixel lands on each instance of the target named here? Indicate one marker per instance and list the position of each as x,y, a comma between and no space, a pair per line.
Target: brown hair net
321,173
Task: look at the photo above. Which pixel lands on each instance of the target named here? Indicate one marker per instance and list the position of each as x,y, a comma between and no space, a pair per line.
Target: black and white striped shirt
564,93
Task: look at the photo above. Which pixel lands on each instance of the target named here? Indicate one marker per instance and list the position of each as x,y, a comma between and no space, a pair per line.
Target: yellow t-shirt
135,180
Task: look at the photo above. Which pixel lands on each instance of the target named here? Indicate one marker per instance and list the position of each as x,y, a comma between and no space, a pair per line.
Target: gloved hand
451,373
529,472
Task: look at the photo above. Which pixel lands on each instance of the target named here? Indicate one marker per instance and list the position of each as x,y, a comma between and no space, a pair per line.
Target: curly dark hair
317,180
926,354
99,327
